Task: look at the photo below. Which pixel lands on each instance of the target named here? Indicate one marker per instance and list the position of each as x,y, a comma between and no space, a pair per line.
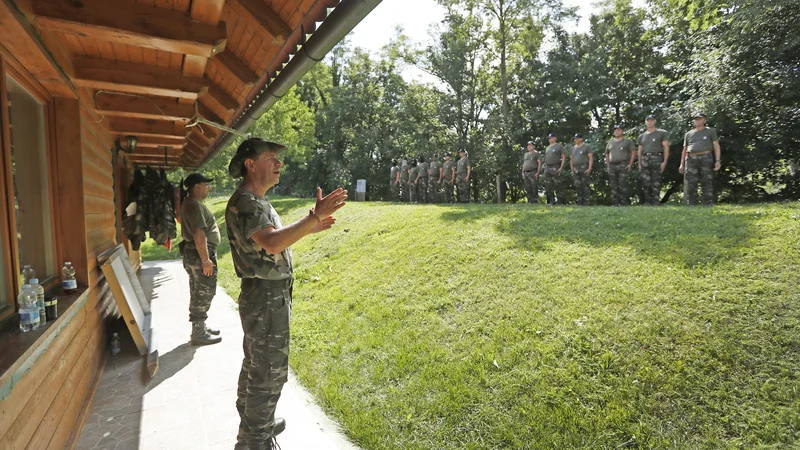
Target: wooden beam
194,150
131,23
262,16
222,98
147,152
103,74
206,112
145,128
195,139
237,68
146,142
157,108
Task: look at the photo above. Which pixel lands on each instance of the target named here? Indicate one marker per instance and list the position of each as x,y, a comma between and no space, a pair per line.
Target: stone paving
191,402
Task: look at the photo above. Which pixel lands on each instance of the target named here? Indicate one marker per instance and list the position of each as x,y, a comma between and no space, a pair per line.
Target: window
27,234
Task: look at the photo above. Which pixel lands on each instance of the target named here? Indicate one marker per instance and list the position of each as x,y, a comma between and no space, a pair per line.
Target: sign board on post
361,190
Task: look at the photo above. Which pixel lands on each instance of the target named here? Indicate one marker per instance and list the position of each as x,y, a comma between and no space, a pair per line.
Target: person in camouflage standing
581,161
448,177
699,160
201,237
531,166
555,156
653,156
422,180
463,173
404,193
413,174
434,180
620,154
260,247
394,182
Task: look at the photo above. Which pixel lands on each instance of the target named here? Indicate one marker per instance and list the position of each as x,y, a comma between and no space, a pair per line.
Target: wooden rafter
209,115
145,128
148,152
147,142
155,108
237,68
222,98
195,139
194,150
122,76
132,23
262,16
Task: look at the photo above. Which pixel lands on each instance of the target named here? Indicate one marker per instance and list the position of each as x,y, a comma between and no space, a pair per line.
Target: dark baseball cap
462,150
618,126
551,135
195,178
250,149
448,154
578,136
699,114
531,143
650,116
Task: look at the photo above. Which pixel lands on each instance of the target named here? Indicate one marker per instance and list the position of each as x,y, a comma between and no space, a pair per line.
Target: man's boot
202,337
213,331
277,428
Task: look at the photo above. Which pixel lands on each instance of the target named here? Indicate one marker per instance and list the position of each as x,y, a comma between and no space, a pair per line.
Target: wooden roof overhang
149,68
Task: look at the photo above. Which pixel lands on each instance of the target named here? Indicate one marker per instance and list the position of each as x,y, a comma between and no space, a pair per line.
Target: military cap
250,149
394,162
422,159
531,143
195,178
462,150
699,114
618,126
578,136
448,154
551,135
651,116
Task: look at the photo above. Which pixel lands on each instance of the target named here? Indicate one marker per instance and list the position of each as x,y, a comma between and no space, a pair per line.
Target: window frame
8,224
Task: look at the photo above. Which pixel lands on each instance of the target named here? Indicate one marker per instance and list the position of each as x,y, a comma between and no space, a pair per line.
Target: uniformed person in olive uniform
422,180
201,237
394,182
620,154
699,161
263,260
463,173
531,166
555,156
653,157
413,174
448,177
581,161
404,191
434,180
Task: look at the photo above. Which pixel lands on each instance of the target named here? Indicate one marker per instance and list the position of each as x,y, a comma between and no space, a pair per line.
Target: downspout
333,29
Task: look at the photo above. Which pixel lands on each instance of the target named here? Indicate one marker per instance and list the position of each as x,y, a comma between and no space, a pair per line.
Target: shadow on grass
690,236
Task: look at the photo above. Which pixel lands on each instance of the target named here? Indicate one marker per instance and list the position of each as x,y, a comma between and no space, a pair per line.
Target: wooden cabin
81,81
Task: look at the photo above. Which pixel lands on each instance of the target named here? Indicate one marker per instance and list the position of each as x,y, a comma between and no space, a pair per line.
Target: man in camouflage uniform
448,177
434,180
413,174
699,161
555,156
653,156
263,260
201,237
394,182
463,173
422,180
531,166
581,161
404,181
620,154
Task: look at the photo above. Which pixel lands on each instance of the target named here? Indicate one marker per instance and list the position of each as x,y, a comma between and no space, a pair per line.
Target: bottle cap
34,281
116,334
26,286
26,266
67,263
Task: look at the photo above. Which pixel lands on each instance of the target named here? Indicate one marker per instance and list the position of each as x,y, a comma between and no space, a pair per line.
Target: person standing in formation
653,157
581,161
620,154
531,166
699,160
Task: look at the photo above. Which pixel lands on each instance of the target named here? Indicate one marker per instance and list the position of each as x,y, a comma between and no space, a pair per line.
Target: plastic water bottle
68,282
39,291
116,344
28,311
27,274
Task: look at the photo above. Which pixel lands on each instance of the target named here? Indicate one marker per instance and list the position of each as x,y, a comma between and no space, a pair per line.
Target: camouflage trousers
554,186
412,192
422,189
394,191
699,169
463,188
581,181
434,187
448,191
201,287
531,186
404,191
651,177
265,308
620,188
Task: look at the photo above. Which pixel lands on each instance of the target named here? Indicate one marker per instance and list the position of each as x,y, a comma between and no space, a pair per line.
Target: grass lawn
520,327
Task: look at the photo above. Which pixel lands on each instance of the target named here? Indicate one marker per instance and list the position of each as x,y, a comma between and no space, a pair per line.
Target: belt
529,171
424,177
698,153
618,162
652,154
284,283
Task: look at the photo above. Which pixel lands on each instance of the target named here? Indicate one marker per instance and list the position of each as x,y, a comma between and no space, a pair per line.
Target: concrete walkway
191,402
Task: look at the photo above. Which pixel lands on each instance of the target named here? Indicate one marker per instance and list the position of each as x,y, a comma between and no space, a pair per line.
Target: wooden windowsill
19,351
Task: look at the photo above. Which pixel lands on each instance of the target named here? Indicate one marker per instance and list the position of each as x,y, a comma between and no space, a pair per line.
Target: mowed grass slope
519,327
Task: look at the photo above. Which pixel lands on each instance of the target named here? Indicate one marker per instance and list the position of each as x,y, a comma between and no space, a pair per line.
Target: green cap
250,149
